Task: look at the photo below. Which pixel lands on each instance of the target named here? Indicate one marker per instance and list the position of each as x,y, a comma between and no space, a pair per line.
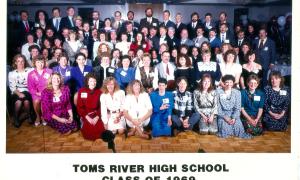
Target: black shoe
16,123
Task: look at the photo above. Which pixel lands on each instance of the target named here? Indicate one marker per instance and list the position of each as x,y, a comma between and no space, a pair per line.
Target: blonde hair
129,89
49,83
108,80
100,52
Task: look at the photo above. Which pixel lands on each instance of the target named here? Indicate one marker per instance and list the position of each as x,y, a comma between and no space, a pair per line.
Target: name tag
151,74
56,99
166,101
85,73
197,44
256,98
154,24
111,70
266,49
226,41
256,71
46,75
282,92
68,73
144,45
83,95
123,73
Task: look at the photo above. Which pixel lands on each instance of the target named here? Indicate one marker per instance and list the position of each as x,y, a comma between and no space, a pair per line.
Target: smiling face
251,58
228,84
56,81
39,64
182,61
92,83
275,81
111,86
206,57
20,63
80,60
206,82
125,63
146,61
63,61
136,88
252,84
182,85
230,58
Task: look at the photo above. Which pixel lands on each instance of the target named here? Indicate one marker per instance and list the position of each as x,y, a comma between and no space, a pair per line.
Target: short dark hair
162,80
79,54
180,79
228,77
33,47
230,51
130,12
194,14
208,14
55,8
276,74
167,11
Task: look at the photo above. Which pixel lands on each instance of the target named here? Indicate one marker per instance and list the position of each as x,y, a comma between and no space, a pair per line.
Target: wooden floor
29,139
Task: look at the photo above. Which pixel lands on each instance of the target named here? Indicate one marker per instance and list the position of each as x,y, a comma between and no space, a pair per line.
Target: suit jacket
193,31
51,24
145,23
131,38
173,43
21,32
218,26
100,24
169,24
266,54
66,23
199,41
229,37
161,70
208,27
155,42
188,42
216,43
136,26
236,41
178,29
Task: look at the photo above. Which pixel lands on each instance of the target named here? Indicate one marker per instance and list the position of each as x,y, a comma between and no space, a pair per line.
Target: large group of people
146,78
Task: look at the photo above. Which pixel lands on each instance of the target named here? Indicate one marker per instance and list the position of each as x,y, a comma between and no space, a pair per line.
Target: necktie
167,70
261,44
194,25
119,25
95,25
26,26
71,20
223,38
56,24
240,42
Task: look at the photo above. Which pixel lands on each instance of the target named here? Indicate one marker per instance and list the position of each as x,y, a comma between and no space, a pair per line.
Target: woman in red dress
140,43
88,107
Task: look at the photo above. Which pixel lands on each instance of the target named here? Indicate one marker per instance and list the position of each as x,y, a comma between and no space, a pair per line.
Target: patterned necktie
261,44
240,42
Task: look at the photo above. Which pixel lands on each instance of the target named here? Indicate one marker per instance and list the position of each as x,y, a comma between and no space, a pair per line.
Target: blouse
206,102
211,68
64,72
18,80
252,102
277,101
38,82
77,77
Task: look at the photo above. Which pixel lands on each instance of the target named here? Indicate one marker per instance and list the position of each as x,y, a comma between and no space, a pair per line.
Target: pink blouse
38,82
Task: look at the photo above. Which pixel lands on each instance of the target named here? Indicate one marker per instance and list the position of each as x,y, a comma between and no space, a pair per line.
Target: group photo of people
104,77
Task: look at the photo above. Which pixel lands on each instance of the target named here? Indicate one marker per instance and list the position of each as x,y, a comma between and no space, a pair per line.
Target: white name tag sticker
151,74
46,75
226,41
56,99
266,49
85,73
282,92
111,70
83,95
68,73
144,45
256,98
166,101
154,24
123,73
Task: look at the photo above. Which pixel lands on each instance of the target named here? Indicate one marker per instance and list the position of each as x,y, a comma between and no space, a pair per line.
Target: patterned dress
251,104
58,106
206,103
230,106
276,101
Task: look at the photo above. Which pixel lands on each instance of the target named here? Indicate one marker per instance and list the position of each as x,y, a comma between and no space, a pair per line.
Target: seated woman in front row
206,104
276,103
252,106
88,107
229,110
56,106
137,109
183,117
112,102
162,103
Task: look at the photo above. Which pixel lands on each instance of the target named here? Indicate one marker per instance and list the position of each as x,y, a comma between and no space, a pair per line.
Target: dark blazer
169,24
218,26
236,42
179,29
21,32
144,23
136,26
129,36
266,54
155,42
229,37
100,24
52,26
66,23
173,43
206,29
216,43
193,31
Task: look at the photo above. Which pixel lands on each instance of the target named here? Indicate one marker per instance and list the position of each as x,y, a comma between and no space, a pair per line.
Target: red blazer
145,46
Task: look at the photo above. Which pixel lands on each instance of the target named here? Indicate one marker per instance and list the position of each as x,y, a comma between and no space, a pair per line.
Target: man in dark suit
68,21
193,25
130,31
153,38
23,27
266,52
225,36
54,22
208,24
95,22
179,25
149,20
130,17
118,22
162,35
241,38
222,19
166,20
87,36
172,41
